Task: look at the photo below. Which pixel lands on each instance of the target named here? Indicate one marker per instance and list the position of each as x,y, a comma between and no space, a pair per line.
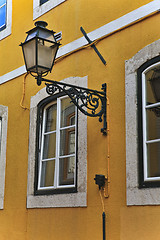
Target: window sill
39,10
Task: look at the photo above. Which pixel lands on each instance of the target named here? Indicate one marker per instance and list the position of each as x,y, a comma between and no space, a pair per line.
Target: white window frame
57,156
135,195
144,118
4,122
7,31
78,199
39,10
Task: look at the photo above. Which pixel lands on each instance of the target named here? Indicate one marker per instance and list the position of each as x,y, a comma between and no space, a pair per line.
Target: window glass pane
47,173
66,171
51,117
153,159
49,148
67,112
2,2
153,123
3,16
67,143
153,85
43,1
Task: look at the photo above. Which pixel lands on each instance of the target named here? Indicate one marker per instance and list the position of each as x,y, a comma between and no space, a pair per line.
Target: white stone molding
4,117
39,10
136,196
7,31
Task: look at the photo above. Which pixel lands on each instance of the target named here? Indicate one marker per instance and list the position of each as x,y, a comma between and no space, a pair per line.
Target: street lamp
39,50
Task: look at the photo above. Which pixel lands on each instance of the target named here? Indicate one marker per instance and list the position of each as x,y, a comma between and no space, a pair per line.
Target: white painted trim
13,74
7,31
4,116
113,26
39,10
107,29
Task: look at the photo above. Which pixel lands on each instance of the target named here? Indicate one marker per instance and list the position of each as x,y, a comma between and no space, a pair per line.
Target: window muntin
3,11
57,157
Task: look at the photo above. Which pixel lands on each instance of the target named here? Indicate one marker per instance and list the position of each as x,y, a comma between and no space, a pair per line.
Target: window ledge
40,10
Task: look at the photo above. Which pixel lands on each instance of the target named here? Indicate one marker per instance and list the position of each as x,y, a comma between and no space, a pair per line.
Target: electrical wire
23,93
105,36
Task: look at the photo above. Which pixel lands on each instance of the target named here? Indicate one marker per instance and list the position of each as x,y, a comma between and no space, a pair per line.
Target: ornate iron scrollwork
90,102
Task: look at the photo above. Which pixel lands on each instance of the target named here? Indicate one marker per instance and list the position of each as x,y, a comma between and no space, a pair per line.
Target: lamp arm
90,102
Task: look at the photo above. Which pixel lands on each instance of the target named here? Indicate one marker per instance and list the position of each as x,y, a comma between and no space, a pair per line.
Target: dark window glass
43,1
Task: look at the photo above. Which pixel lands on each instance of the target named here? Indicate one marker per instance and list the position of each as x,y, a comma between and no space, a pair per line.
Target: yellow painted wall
125,223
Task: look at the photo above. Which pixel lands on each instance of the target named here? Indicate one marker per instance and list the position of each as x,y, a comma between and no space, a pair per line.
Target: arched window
149,123
56,146
143,126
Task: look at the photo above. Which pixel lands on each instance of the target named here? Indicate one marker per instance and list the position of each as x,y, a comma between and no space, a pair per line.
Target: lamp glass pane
29,50
46,55
31,35
46,35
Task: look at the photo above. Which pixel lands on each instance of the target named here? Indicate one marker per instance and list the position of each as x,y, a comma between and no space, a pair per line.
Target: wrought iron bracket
90,102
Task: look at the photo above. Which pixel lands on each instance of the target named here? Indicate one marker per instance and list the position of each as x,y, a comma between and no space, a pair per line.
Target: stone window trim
78,199
39,10
4,119
135,195
7,30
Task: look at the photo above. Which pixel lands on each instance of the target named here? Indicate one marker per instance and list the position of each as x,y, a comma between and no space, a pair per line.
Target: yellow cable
107,35
23,94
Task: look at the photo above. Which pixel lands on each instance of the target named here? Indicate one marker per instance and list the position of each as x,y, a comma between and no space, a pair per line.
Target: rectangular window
3,11
57,147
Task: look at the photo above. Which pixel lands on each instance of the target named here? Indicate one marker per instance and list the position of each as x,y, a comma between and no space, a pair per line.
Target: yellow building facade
127,36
